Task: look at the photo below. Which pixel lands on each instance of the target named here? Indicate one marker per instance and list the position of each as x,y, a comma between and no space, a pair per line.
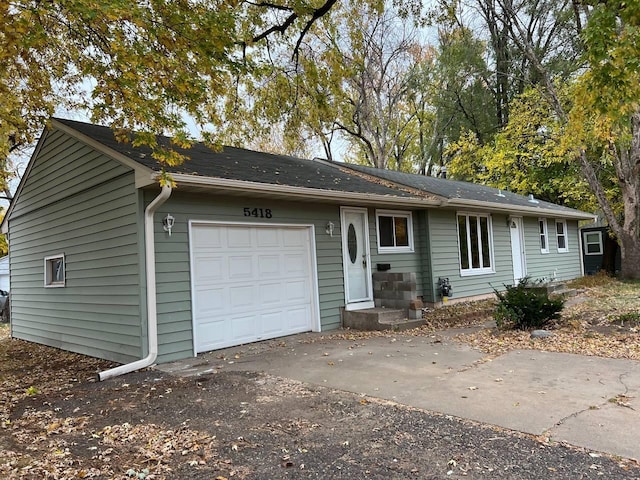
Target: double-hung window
592,243
395,231
561,236
544,236
475,243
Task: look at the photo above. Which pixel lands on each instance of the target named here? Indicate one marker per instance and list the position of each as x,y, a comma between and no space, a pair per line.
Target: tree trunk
630,253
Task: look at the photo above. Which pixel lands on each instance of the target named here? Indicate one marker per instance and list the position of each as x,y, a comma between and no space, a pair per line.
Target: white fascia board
144,176
529,211
297,192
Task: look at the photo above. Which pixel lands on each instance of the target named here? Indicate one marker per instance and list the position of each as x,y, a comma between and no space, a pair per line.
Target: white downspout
152,317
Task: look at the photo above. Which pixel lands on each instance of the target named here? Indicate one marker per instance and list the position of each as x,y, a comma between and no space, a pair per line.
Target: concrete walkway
585,401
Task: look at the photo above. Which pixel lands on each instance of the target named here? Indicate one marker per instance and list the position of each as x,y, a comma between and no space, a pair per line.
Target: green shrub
526,306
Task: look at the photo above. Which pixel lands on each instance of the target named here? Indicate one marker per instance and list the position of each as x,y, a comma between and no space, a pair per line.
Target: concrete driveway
585,401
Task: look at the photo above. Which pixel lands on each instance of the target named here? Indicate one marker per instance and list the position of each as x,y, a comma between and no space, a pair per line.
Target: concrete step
400,325
379,319
564,292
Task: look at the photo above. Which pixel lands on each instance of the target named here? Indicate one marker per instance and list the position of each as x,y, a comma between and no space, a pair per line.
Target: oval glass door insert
352,243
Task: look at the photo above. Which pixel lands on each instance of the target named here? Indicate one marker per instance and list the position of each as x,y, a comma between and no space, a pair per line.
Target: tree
136,65
350,82
603,122
530,155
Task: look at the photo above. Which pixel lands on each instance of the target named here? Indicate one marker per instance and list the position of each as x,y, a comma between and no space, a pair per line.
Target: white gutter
152,317
534,211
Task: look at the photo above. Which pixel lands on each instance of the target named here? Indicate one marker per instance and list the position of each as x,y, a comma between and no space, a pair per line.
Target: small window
592,243
395,231
475,244
54,271
561,236
544,242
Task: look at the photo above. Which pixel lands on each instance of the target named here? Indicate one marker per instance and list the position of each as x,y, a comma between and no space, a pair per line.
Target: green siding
561,266
410,262
173,267
445,262
445,255
77,202
423,248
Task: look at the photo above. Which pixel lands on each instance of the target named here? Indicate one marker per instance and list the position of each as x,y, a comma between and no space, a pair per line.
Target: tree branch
320,12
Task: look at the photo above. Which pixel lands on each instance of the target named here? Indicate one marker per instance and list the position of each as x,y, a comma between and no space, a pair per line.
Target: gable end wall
80,203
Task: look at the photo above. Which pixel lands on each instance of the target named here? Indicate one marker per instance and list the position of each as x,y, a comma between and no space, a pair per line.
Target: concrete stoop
559,289
379,318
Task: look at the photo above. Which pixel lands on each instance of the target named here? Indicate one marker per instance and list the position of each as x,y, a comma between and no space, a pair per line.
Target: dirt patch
244,425
57,422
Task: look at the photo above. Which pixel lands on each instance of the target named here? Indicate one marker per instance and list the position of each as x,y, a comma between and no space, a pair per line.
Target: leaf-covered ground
602,320
57,422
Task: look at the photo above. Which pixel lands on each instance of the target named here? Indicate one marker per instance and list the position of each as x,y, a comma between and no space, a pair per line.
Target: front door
356,259
517,249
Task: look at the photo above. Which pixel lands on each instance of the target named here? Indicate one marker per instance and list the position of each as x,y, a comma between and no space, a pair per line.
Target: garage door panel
272,324
296,291
241,297
295,264
269,266
209,268
268,237
211,301
270,294
208,238
250,283
295,238
243,328
296,319
240,267
212,334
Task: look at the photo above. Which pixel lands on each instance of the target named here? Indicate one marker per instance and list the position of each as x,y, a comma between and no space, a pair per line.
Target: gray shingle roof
240,164
454,189
251,166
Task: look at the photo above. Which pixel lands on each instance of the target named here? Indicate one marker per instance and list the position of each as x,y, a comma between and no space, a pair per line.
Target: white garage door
250,283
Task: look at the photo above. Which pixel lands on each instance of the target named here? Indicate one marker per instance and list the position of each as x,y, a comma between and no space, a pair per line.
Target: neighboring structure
600,251
249,246
4,274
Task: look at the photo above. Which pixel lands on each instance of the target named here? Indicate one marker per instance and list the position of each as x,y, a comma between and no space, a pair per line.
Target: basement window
54,268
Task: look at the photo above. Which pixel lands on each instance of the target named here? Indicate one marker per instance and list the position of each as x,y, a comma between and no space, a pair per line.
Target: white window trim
565,235
395,213
475,271
545,233
586,244
48,283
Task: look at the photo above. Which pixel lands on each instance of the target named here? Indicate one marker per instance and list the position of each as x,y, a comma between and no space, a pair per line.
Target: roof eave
516,209
299,192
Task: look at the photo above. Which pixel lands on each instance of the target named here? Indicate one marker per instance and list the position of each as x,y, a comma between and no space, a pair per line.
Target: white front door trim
518,255
315,296
365,299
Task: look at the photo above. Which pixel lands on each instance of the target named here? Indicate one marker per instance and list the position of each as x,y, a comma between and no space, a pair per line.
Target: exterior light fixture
167,223
329,229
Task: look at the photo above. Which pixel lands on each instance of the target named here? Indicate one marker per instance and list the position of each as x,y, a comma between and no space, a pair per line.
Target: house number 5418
257,212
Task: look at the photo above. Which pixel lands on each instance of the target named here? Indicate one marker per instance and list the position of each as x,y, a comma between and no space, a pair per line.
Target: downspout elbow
152,314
